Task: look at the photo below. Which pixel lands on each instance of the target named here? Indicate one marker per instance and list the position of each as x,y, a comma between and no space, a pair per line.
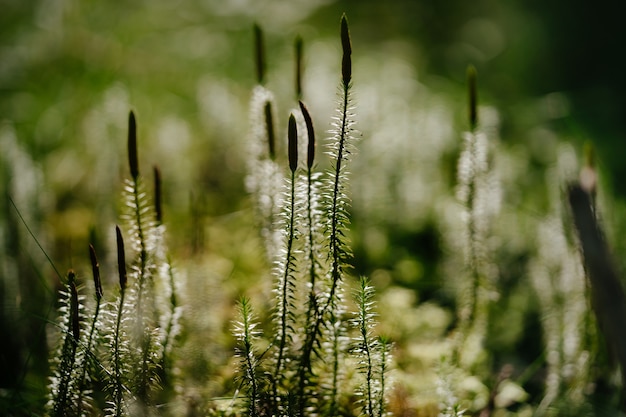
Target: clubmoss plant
143,274
166,290
265,177
310,370
313,321
129,345
118,340
64,385
285,316
371,351
477,191
90,365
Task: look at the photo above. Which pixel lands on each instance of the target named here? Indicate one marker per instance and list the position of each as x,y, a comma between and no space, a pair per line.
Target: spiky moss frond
335,366
118,319
142,234
448,382
385,361
64,388
479,192
90,365
312,267
145,239
335,199
558,276
246,333
336,204
166,292
286,297
366,347
372,352
265,177
170,318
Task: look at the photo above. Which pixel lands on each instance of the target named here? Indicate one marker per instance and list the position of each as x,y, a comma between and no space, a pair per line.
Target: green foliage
491,307
308,372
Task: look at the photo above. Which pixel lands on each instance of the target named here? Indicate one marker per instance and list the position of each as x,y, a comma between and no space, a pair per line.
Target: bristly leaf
311,135
346,63
473,97
132,146
338,202
68,360
121,258
259,54
269,125
158,210
246,335
292,137
298,49
95,267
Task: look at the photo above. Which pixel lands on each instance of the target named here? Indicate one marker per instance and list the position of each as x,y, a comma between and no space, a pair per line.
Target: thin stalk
284,314
312,309
335,239
369,367
117,361
98,291
334,390
304,367
288,267
68,357
248,353
83,375
384,352
172,318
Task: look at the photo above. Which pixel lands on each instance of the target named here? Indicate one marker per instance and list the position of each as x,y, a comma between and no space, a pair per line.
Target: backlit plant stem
288,267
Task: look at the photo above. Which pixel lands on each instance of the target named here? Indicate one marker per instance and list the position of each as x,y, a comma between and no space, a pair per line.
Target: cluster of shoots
476,188
121,347
317,343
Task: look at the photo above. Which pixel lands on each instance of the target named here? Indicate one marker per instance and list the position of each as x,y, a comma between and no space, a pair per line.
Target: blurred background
550,77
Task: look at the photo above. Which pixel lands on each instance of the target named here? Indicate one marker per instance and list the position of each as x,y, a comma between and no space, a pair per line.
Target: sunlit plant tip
346,44
310,134
158,209
269,125
95,267
292,136
121,258
132,146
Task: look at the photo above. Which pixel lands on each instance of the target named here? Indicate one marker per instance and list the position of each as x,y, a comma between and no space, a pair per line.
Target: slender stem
312,307
172,318
247,342
143,252
366,350
117,358
83,376
285,287
335,241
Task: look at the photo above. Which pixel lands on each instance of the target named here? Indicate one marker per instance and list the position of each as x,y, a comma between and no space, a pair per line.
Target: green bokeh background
71,70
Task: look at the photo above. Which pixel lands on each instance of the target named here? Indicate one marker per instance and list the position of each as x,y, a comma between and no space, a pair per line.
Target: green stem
118,393
335,240
83,374
285,288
